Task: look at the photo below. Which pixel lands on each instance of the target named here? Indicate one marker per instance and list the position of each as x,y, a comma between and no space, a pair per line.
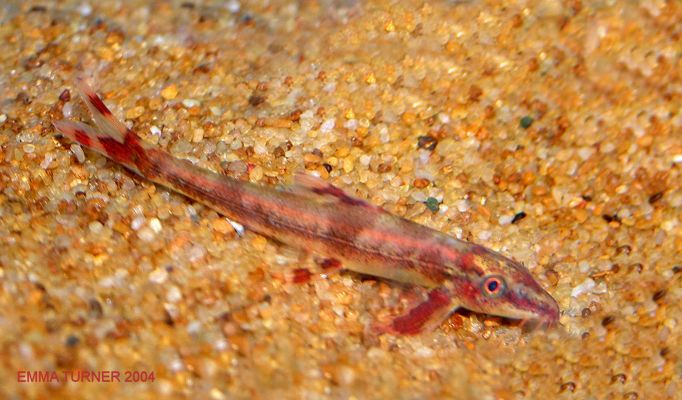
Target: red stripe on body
421,243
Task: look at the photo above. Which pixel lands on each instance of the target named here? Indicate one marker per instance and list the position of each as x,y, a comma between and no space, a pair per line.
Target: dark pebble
427,142
65,95
432,204
625,249
95,308
526,122
619,378
658,295
256,100
72,341
655,197
518,217
610,217
568,386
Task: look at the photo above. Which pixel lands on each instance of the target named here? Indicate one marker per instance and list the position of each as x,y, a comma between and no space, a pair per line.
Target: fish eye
494,286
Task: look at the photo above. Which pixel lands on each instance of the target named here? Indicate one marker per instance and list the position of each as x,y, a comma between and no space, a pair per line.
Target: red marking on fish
82,138
330,263
99,105
301,275
467,288
467,262
341,195
129,153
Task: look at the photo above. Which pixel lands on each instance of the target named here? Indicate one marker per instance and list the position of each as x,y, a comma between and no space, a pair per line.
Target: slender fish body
319,217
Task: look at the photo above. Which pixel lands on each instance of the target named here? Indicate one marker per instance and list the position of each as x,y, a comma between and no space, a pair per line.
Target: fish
345,231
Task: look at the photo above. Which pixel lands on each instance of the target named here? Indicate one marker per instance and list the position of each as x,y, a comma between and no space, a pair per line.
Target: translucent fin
110,138
104,119
80,133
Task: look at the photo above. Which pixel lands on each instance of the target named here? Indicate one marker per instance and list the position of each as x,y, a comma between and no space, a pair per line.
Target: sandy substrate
550,131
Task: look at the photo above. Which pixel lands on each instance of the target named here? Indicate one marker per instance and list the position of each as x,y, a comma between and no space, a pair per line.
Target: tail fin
111,138
103,117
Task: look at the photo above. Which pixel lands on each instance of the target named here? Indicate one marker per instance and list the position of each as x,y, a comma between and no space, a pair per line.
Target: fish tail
114,140
110,137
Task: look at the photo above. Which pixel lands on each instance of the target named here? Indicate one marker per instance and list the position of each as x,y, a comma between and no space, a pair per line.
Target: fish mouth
526,320
532,321
548,318
541,311
551,311
544,315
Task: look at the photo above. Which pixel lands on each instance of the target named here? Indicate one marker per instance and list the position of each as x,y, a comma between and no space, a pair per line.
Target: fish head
496,285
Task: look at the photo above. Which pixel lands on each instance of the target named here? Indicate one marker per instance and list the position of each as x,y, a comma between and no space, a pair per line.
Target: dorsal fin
317,186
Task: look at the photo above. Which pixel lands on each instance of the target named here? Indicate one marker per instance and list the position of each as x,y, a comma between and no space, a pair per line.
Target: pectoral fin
426,316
